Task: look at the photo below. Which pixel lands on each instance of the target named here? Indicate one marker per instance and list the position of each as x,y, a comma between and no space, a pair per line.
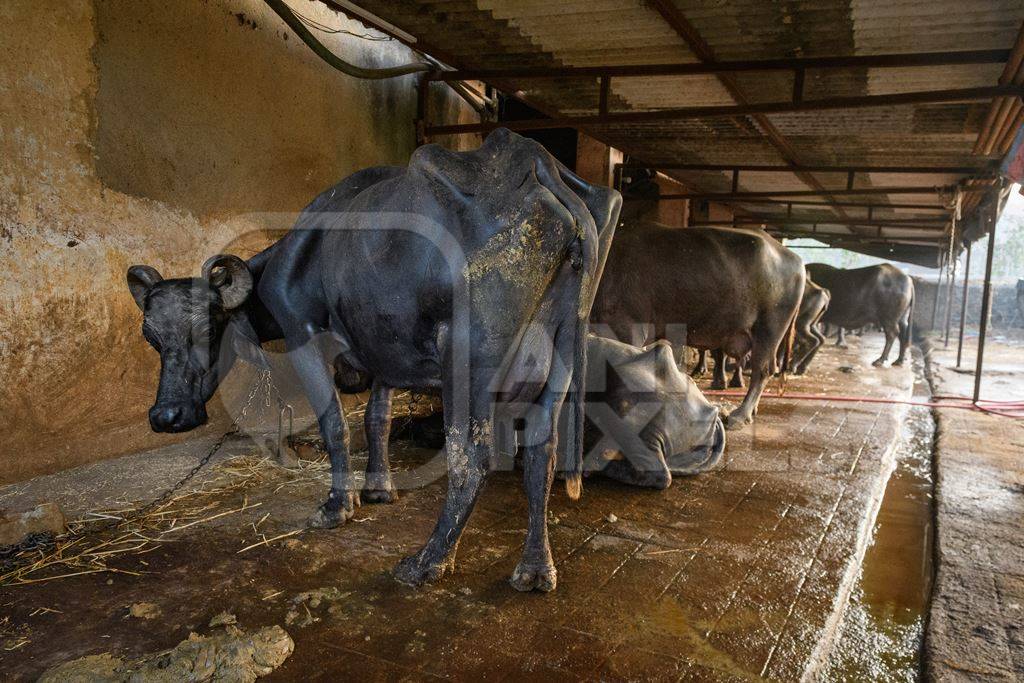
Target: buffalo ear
140,279
246,345
250,352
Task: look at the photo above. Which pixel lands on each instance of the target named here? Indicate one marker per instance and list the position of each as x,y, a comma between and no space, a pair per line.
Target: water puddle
882,633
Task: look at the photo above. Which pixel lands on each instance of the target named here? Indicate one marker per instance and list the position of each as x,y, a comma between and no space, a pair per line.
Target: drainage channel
882,634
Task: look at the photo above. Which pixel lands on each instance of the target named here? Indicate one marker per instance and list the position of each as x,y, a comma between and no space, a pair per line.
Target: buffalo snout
703,457
176,418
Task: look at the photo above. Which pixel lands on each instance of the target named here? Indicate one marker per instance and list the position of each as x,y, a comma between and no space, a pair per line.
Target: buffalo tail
574,427
907,336
787,355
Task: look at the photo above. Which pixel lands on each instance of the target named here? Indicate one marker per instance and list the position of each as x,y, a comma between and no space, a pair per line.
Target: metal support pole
986,299
422,110
938,292
963,306
949,299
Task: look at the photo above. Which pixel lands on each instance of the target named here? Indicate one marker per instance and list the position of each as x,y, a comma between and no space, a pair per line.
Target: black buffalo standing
735,290
469,273
875,295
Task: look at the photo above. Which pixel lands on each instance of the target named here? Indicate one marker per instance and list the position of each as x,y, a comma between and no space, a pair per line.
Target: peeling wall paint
158,133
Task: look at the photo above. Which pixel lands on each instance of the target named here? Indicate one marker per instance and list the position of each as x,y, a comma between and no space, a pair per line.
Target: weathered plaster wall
1006,310
141,131
672,212
596,161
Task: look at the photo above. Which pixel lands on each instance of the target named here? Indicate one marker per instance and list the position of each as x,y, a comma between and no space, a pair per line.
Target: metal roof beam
840,237
797,65
740,196
838,240
909,224
689,34
871,207
825,104
795,168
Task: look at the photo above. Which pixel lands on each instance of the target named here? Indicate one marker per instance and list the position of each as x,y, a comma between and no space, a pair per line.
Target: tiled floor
732,575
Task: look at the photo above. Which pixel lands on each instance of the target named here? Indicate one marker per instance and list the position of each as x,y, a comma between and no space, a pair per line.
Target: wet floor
731,575
883,630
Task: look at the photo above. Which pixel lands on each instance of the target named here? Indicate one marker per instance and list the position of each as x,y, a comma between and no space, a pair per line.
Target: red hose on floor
1010,409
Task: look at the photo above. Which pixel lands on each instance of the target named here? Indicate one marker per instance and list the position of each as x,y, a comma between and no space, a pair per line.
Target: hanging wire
324,28
289,17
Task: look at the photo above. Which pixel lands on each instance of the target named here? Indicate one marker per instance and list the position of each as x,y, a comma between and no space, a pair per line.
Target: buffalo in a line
875,295
711,288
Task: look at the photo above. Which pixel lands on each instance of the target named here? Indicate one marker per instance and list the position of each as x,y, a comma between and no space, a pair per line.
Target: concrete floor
976,629
732,575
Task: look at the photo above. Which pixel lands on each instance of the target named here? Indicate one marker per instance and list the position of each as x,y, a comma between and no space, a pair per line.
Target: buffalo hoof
716,385
842,346
736,383
376,496
898,363
415,571
737,421
878,363
528,577
329,519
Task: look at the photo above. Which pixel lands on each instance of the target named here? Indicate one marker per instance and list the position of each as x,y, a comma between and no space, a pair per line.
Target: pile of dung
232,656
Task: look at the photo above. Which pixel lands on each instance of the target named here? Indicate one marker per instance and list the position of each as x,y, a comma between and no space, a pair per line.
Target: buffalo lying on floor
470,273
736,290
650,421
646,421
875,295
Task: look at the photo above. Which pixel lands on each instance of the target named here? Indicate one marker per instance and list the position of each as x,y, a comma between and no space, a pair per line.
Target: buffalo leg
904,334
718,378
468,459
377,422
701,368
536,568
469,443
841,337
737,376
765,341
814,341
890,337
744,414
319,387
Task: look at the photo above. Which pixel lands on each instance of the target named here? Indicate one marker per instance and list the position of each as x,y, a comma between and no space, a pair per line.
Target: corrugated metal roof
503,34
